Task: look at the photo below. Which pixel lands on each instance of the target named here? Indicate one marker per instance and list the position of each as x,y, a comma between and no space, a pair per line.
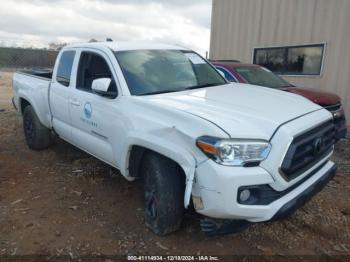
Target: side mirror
101,84
100,87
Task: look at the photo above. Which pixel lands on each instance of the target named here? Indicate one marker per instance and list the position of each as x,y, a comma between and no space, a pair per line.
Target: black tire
37,136
164,187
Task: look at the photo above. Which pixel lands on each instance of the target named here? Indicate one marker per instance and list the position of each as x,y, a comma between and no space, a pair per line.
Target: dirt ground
62,201
5,90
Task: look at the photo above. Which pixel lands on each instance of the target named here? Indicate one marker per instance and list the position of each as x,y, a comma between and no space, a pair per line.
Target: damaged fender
174,149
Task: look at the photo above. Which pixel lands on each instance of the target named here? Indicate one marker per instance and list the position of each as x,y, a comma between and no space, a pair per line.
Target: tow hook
215,227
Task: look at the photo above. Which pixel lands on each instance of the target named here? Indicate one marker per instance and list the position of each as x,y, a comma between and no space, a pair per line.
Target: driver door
92,115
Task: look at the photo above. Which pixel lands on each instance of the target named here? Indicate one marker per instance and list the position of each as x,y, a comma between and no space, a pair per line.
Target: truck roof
125,45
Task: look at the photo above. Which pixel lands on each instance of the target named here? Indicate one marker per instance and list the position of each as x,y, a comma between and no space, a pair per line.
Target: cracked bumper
218,187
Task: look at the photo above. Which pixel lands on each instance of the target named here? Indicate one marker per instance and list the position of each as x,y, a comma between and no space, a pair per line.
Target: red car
235,71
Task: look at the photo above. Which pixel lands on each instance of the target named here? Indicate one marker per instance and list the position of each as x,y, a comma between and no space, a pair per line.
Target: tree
56,46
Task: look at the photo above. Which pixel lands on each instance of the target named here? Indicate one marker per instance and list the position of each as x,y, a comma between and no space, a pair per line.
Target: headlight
234,152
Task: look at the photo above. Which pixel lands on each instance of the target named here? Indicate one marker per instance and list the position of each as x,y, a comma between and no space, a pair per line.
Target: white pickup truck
237,153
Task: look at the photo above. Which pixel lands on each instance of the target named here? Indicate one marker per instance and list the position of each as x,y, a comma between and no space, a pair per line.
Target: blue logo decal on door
87,110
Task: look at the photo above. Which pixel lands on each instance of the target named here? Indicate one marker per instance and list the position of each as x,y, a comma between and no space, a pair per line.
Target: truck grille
307,149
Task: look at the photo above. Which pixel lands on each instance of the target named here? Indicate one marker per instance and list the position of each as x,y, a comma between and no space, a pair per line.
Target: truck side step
215,227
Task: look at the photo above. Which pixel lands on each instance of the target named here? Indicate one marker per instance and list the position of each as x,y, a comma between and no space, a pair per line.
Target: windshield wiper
160,92
178,90
202,86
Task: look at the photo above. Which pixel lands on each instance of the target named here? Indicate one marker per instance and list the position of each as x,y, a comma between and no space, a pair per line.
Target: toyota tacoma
235,153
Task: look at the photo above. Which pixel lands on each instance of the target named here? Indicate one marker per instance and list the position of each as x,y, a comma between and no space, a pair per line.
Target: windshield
261,76
162,71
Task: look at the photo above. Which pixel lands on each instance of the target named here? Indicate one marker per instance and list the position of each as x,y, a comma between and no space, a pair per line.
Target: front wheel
164,186
37,136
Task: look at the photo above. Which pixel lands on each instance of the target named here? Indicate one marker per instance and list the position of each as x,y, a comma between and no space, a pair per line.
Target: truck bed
32,86
39,72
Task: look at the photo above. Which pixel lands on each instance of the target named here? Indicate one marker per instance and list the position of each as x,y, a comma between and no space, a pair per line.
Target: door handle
74,102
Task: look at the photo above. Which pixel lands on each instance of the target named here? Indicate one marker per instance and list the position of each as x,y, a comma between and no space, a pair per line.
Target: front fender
172,149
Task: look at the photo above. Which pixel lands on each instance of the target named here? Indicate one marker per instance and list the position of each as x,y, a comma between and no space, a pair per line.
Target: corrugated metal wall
240,25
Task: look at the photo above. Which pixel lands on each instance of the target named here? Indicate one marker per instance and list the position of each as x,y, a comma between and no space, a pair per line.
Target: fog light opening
244,195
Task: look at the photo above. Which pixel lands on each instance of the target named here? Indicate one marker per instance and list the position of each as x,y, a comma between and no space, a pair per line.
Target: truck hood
241,110
318,97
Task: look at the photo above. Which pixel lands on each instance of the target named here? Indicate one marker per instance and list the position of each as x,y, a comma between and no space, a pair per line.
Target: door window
93,66
65,67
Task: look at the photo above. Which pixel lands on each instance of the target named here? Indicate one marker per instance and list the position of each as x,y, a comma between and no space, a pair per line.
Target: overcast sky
38,22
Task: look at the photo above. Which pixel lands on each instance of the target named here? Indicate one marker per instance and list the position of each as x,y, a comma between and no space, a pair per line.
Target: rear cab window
64,70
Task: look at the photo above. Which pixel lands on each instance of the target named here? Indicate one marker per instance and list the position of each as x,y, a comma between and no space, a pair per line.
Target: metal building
305,41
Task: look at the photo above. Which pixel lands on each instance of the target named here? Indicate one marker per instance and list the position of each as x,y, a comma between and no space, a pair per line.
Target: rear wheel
37,136
163,194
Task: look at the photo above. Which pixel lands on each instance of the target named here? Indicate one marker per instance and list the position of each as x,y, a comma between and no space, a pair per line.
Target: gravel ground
62,201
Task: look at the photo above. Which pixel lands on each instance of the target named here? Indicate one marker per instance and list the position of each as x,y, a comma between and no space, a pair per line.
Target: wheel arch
139,147
23,103
136,158
25,100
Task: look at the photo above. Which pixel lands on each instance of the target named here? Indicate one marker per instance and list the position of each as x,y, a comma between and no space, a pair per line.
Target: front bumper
297,202
218,187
